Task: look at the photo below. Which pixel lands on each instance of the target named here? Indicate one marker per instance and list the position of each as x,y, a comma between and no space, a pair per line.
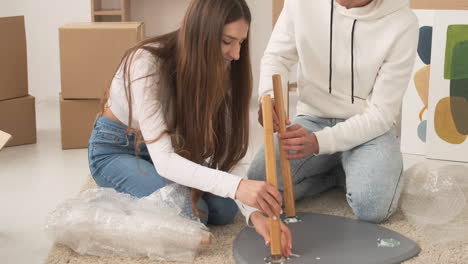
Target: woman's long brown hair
205,107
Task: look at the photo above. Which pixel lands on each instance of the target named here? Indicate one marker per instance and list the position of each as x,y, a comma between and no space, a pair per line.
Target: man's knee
257,168
375,217
257,174
369,209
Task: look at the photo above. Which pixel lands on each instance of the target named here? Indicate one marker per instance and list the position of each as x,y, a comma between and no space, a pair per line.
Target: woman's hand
261,195
275,117
298,139
262,226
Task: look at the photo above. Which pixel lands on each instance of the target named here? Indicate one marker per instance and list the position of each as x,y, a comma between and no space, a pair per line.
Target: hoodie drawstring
331,54
352,62
331,49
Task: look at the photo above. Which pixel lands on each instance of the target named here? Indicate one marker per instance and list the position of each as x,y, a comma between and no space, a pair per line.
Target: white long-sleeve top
147,116
382,36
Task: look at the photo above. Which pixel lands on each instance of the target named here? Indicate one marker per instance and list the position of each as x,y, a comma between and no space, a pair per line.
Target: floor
34,179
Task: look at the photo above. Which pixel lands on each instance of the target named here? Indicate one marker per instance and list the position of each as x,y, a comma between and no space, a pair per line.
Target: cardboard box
440,4
13,59
18,118
4,138
90,53
77,120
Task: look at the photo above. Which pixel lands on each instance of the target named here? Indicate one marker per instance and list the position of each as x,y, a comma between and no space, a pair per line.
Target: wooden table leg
270,165
290,207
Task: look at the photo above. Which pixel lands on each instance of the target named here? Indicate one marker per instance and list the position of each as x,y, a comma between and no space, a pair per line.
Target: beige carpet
332,202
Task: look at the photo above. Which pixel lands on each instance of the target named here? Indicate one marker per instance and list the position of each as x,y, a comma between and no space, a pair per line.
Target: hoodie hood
372,11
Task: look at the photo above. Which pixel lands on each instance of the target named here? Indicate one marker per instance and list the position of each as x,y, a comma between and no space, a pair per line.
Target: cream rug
332,202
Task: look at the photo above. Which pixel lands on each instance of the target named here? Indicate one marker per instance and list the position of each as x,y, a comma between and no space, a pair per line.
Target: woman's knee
201,204
222,211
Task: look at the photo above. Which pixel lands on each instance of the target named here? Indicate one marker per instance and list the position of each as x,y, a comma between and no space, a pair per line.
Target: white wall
44,17
260,34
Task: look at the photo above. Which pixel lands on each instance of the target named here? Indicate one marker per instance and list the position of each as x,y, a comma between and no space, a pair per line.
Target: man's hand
276,120
262,227
298,139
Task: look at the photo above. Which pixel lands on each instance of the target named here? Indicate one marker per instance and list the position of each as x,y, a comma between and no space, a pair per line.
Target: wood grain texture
270,166
285,164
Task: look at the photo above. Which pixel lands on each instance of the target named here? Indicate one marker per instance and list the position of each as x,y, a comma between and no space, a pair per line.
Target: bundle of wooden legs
270,164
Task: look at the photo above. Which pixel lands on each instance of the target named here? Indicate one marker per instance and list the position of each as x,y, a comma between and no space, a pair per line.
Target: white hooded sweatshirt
355,66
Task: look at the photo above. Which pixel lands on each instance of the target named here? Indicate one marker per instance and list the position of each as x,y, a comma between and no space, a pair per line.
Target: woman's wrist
236,195
256,216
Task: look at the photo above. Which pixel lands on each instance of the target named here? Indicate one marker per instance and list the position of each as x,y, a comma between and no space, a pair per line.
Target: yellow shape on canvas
444,125
421,81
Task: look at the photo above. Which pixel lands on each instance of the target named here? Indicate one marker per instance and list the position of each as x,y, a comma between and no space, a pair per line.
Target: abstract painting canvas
448,94
415,102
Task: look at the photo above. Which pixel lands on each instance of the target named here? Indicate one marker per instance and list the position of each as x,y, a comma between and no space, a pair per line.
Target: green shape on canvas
456,34
459,88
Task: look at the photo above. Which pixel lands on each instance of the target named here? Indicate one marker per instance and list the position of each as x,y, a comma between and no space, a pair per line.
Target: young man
355,59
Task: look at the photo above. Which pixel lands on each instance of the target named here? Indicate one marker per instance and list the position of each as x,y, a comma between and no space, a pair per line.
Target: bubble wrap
434,200
103,222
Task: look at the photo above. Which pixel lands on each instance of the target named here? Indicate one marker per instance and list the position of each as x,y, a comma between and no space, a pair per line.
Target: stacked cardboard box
4,138
17,107
90,53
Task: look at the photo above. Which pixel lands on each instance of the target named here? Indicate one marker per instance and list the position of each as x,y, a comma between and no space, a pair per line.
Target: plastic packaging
103,222
435,201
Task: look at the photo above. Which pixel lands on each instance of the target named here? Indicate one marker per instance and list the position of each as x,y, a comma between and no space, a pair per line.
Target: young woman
177,112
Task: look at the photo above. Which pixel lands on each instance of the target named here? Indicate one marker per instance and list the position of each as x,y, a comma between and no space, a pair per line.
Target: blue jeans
113,164
371,173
